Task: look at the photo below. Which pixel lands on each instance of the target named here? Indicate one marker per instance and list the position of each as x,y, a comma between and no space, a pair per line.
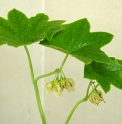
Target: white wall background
17,98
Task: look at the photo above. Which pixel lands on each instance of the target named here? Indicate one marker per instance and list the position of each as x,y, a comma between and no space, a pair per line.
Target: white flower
69,84
59,86
49,87
96,97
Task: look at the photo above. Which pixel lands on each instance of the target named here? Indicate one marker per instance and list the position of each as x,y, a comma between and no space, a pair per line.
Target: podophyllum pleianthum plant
73,39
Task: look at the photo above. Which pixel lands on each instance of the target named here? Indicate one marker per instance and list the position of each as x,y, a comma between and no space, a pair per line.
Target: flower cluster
59,85
96,97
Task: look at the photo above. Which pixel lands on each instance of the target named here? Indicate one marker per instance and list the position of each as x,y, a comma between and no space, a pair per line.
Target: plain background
17,98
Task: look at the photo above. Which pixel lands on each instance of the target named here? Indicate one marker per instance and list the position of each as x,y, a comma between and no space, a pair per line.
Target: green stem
87,92
45,75
73,109
53,72
80,101
63,62
39,104
93,89
35,88
30,64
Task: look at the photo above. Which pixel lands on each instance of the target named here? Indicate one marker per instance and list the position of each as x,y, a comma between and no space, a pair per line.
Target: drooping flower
49,87
96,97
60,83
58,90
59,86
69,84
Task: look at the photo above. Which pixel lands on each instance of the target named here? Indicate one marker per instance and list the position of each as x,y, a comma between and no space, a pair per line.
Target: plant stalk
30,64
74,108
35,87
45,75
63,62
39,103
81,101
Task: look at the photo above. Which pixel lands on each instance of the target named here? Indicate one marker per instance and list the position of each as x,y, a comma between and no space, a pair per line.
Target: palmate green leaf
77,40
105,74
18,30
119,61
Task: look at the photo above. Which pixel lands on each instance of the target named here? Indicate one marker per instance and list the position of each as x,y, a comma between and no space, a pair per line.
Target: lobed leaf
119,61
18,30
77,40
105,74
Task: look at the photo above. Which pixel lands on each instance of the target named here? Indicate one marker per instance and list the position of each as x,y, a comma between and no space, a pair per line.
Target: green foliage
77,40
18,30
119,61
105,74
74,39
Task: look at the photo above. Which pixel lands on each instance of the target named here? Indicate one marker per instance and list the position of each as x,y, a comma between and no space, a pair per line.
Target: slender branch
53,72
73,109
93,89
35,88
45,75
30,64
87,92
39,104
63,62
81,101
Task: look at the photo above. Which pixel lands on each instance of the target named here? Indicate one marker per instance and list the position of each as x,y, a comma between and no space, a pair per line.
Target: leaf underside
105,74
77,40
18,30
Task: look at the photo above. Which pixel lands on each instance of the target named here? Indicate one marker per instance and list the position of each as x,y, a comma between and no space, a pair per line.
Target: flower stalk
81,101
35,80
63,62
